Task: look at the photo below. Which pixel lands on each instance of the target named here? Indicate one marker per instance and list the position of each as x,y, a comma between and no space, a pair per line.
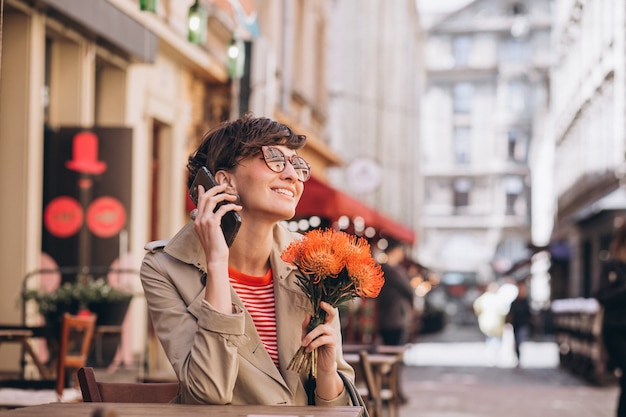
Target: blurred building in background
375,78
588,108
485,104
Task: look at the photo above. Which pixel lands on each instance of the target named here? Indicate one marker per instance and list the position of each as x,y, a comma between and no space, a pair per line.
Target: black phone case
231,220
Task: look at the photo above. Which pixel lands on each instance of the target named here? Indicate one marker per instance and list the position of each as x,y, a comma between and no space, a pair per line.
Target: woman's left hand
323,338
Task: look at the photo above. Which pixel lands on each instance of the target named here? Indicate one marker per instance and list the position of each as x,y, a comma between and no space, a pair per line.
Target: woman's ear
224,177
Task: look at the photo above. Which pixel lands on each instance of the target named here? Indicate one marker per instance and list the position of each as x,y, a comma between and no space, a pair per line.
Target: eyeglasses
276,160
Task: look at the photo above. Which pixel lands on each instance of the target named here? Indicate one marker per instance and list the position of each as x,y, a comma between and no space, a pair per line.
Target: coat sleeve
205,378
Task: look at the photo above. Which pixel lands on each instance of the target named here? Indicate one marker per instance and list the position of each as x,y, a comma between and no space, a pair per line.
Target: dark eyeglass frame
272,156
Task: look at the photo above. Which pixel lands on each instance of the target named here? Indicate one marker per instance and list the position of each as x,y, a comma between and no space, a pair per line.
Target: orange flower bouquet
333,267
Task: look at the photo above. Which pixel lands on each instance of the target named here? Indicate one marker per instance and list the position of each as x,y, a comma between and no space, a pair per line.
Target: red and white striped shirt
257,295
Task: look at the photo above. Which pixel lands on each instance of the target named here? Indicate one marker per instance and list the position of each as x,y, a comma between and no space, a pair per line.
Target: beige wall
21,133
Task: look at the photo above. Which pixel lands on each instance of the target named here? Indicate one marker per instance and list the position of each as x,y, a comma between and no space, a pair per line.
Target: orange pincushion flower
368,279
322,254
334,267
315,256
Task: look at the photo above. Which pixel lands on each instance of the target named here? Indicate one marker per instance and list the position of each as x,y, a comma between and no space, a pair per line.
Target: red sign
63,216
106,216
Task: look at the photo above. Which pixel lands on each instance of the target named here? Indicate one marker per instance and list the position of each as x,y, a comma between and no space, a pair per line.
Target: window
518,93
461,190
462,145
513,187
461,49
517,9
516,149
462,96
515,49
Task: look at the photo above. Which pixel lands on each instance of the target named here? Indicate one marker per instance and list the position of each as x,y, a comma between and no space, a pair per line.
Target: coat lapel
253,350
291,307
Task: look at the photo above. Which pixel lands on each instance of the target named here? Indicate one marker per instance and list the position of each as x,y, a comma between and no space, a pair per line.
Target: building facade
485,104
375,78
588,106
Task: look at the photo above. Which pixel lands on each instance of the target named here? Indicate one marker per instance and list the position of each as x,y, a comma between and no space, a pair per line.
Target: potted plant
95,295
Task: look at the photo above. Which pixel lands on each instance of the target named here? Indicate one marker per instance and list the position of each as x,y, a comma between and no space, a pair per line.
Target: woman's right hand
207,226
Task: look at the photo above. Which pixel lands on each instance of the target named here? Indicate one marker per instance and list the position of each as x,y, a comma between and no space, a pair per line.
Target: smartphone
231,220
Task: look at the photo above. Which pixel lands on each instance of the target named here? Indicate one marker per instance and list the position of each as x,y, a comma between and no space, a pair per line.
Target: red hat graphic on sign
85,155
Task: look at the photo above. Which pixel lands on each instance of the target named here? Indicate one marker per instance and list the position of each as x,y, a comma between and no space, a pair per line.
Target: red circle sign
106,216
63,216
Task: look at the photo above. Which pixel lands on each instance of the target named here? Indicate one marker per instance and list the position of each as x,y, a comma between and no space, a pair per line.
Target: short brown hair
230,142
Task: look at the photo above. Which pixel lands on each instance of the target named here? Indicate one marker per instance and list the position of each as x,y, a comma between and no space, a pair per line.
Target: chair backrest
124,392
76,335
373,399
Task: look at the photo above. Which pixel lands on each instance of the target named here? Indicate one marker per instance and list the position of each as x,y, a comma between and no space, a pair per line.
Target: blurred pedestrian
612,296
395,301
520,317
491,311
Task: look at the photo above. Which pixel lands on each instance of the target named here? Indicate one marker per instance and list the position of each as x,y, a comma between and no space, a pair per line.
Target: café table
81,409
21,335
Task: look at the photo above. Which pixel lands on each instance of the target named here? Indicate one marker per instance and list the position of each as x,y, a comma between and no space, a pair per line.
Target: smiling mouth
283,191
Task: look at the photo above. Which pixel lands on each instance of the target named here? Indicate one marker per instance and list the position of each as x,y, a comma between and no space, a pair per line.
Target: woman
612,295
230,319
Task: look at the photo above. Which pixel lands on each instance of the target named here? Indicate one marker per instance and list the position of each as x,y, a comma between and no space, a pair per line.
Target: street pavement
450,374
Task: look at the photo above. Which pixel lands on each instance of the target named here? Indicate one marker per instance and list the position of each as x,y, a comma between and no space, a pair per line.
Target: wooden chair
376,394
393,380
76,337
124,392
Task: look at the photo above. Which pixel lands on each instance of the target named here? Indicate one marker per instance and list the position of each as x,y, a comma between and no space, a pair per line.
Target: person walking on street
520,317
612,296
491,310
395,301
395,304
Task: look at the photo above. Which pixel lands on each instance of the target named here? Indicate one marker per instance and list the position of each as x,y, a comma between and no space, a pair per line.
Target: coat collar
185,246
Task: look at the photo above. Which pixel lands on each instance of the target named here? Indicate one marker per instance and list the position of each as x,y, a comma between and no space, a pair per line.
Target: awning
112,25
615,200
320,199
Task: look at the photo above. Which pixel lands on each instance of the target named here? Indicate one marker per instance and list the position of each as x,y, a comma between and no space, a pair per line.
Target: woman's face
265,193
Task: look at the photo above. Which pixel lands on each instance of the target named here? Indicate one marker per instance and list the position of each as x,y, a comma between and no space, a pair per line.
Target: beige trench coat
218,358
